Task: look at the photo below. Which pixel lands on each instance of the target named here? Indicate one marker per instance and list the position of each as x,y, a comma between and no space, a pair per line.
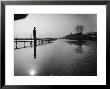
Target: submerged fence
29,42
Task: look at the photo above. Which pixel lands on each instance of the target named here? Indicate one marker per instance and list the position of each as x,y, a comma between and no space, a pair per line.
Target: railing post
31,43
16,43
24,44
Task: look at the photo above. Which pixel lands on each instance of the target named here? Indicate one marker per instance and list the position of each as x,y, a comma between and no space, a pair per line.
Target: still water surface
60,58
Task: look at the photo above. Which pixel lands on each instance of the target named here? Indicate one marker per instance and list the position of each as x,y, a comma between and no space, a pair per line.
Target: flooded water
60,58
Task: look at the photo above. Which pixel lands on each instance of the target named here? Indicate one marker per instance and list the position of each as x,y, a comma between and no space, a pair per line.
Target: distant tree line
78,35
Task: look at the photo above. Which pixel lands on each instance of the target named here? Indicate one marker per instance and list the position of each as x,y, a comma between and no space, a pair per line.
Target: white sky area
53,25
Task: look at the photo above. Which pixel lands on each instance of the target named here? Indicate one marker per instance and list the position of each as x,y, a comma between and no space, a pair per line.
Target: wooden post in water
34,37
16,43
31,42
39,42
24,44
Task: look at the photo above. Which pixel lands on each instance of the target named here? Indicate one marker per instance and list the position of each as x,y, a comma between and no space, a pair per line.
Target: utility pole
34,37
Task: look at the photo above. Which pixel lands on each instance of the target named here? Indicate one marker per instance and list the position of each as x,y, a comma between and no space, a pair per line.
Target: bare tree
79,28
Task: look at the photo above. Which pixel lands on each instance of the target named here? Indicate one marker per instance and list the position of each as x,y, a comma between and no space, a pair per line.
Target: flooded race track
60,58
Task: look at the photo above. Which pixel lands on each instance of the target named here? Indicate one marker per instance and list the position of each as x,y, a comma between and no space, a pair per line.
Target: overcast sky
53,25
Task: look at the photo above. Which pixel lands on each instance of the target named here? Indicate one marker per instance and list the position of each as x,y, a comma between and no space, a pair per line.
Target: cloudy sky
53,25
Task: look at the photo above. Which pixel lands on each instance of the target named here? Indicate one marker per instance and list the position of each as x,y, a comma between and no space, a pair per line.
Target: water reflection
32,72
33,68
60,58
79,48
